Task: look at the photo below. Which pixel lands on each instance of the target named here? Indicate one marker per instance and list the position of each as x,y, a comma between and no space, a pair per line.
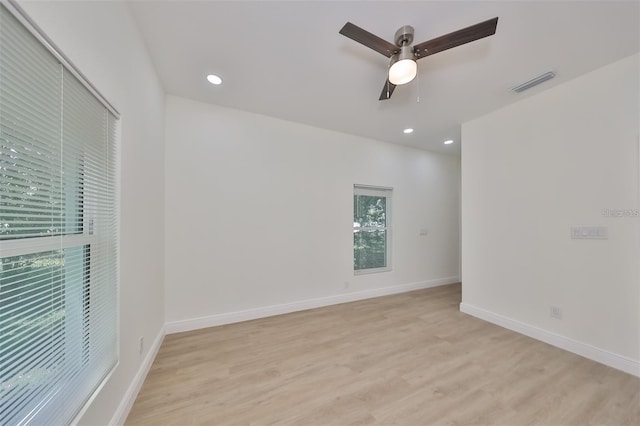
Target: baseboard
602,356
120,416
267,311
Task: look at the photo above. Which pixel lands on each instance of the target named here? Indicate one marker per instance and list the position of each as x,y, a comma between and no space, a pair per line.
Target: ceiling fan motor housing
403,67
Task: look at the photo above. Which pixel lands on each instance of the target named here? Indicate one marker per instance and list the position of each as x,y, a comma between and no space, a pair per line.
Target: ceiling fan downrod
404,35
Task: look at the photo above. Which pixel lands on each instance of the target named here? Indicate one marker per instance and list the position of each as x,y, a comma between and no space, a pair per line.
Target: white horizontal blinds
89,139
30,128
31,285
58,235
39,349
107,324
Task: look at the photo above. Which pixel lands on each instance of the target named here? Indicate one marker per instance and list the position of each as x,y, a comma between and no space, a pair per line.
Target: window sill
371,270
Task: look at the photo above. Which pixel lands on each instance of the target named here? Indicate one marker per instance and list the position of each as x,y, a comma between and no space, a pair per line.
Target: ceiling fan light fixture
403,67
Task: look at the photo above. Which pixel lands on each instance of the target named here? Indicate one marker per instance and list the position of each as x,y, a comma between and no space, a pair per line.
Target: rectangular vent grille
534,82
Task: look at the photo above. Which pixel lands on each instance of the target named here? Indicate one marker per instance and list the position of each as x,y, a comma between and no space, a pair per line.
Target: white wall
259,213
530,172
101,39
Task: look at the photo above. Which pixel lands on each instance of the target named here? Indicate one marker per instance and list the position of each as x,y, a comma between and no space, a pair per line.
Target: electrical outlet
141,342
346,285
555,312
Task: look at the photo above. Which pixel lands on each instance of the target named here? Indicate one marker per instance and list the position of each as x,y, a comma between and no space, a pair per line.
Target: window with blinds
58,232
371,229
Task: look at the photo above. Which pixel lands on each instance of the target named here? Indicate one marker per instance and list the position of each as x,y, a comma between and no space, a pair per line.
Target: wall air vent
534,82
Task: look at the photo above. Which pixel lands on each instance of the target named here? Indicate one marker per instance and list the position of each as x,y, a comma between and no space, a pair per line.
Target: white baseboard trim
267,311
602,356
120,416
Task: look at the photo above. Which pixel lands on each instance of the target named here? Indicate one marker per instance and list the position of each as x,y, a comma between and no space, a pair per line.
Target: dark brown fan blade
387,90
372,41
456,38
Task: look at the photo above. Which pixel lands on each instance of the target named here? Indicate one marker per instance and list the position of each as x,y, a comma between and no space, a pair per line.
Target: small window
371,229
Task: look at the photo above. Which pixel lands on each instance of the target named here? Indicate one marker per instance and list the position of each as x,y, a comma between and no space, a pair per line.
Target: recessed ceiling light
214,79
407,131
449,142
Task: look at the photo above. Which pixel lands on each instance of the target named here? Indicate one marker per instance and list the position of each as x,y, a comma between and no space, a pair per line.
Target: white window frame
387,193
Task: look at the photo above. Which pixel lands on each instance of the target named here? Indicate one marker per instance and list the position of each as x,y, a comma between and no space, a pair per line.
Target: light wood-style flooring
407,359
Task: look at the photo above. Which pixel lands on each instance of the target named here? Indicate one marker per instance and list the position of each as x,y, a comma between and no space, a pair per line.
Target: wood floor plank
407,359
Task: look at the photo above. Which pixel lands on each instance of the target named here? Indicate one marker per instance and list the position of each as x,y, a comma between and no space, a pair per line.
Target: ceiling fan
403,67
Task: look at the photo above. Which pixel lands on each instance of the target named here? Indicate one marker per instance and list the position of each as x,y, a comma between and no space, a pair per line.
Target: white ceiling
287,60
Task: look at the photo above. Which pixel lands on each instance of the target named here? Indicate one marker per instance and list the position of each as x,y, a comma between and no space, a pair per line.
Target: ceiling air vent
534,82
